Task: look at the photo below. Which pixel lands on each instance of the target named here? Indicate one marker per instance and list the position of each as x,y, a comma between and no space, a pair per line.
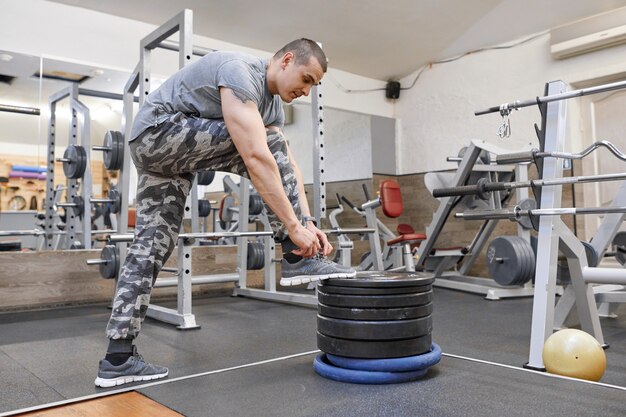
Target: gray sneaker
133,370
312,269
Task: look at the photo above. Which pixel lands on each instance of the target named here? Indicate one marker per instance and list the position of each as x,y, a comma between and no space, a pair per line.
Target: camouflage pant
166,157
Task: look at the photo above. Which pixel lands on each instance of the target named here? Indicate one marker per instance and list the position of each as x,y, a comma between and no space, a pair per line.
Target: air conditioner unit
590,34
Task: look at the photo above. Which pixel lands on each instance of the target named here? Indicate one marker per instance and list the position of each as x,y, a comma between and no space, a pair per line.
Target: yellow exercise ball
574,353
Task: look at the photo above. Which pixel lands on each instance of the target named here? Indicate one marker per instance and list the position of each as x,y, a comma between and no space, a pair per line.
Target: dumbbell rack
459,279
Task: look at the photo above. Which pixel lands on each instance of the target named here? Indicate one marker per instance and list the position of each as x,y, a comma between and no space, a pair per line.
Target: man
223,113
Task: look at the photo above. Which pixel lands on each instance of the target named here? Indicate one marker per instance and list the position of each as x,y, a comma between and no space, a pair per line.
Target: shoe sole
113,382
305,279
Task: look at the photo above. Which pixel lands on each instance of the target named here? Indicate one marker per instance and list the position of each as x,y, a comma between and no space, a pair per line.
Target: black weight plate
116,204
79,207
110,268
118,139
525,271
507,271
524,268
113,156
204,208
527,259
530,259
373,314
255,205
256,256
526,204
376,279
75,168
205,177
374,349
107,153
374,330
333,289
82,160
375,301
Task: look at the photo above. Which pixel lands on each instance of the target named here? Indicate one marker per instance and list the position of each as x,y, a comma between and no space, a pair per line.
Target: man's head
295,68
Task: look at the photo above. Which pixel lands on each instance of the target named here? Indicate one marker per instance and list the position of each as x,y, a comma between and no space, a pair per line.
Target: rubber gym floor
254,358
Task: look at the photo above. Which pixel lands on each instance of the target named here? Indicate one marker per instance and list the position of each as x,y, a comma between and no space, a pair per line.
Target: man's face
296,80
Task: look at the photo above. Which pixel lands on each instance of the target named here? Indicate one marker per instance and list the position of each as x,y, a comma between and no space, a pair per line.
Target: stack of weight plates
376,328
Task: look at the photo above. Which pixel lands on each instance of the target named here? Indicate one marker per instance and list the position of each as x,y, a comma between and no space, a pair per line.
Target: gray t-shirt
194,91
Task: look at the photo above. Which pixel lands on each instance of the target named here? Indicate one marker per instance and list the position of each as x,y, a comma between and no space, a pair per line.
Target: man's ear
286,59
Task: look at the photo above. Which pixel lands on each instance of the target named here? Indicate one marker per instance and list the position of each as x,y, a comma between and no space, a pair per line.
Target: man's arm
245,125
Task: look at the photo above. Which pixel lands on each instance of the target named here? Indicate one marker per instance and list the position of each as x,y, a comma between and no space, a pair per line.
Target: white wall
347,140
437,115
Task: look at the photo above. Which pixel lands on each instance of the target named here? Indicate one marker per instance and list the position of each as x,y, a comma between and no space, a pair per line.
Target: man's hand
327,248
306,241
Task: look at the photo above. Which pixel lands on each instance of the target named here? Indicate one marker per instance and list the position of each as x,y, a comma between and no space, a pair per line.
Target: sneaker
133,370
312,269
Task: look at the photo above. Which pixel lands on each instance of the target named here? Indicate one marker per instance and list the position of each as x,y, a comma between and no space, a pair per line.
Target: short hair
303,49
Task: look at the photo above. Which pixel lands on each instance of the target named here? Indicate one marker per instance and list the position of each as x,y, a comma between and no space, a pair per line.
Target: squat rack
72,185
140,78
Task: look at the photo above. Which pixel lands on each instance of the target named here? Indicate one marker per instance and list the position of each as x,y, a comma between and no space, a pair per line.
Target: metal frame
72,185
459,278
182,24
183,316
269,291
319,175
605,295
553,235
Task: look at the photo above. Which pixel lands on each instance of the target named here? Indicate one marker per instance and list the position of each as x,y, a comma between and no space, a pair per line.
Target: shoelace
323,259
136,354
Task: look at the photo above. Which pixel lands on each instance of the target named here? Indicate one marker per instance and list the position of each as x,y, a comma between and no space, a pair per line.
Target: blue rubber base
405,364
323,367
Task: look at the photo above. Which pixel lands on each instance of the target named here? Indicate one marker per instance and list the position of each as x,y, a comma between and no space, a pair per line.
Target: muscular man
222,113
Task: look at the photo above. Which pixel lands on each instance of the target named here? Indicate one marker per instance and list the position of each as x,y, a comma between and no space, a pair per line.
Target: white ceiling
374,38
364,37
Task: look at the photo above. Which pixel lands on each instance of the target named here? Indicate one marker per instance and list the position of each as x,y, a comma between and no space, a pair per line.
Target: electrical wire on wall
442,61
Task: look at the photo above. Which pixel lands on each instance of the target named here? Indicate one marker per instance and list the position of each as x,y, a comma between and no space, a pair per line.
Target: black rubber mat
454,387
48,356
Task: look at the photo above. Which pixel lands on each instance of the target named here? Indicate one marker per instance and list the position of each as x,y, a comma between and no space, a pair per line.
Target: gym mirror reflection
54,285
28,84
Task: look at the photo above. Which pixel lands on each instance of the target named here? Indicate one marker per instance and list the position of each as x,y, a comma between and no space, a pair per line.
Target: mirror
21,189
24,141
26,85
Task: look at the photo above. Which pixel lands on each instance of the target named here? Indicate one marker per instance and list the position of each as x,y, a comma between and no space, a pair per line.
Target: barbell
518,213
109,262
483,188
534,154
77,204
